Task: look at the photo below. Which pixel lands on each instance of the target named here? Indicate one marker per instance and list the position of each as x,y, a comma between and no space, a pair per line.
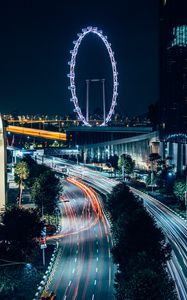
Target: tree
18,231
154,158
113,160
179,190
45,191
12,278
148,284
21,175
125,161
139,250
34,169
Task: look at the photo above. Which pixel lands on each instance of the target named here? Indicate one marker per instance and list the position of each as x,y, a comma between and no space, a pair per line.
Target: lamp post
185,195
152,176
123,172
77,146
43,244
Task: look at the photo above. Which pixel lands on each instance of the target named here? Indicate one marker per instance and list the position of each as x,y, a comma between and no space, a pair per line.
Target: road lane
84,269
174,227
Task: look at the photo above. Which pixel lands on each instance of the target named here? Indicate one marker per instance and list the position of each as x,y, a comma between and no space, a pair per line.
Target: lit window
180,36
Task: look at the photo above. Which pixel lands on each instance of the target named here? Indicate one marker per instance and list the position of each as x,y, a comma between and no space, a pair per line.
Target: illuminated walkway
37,133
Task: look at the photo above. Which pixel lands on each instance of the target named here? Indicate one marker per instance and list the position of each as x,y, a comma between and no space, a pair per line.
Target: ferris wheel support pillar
104,105
87,99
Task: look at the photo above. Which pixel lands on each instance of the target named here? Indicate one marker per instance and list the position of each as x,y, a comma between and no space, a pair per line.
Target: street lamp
77,146
123,172
185,195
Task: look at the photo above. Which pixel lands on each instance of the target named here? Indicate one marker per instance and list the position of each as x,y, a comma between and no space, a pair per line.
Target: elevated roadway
51,135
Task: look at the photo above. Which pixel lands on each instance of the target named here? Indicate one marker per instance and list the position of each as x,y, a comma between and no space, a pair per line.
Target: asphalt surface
173,226
84,267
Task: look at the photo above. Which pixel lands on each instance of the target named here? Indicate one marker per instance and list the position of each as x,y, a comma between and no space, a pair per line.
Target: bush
140,250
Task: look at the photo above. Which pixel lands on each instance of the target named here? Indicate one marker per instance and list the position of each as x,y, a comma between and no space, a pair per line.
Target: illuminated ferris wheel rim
72,87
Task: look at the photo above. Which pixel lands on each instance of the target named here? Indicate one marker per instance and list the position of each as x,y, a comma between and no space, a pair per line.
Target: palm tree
21,174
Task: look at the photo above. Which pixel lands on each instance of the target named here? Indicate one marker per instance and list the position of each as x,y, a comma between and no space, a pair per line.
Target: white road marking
97,250
109,253
93,297
69,283
65,297
73,271
97,258
75,259
96,270
107,239
76,251
95,282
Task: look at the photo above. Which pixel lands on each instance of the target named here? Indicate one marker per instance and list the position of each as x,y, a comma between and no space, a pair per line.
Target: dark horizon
35,45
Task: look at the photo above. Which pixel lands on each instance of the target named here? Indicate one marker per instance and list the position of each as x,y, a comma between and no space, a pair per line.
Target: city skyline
34,57
90,211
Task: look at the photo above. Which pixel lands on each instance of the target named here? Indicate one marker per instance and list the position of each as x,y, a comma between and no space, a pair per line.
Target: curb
46,276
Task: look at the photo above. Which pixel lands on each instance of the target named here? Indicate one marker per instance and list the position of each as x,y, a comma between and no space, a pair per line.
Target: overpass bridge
46,134
80,135
99,143
83,135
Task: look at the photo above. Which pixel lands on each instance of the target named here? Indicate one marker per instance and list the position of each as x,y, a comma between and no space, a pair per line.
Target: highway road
83,268
172,225
175,230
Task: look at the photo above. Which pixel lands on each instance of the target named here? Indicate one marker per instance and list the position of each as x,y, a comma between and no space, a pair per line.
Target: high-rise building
173,66
3,187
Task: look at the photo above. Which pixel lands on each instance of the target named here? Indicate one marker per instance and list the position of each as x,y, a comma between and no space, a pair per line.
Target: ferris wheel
71,75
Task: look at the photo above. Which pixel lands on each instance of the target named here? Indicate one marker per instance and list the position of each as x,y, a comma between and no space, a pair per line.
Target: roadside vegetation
20,229
44,187
19,234
140,250
160,180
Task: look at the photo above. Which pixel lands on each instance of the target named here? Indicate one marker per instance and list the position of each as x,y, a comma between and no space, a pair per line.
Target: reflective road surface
172,225
83,268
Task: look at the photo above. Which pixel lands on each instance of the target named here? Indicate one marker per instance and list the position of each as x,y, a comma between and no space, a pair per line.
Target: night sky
36,37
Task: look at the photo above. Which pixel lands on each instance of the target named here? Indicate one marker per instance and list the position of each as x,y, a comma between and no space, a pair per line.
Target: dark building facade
173,66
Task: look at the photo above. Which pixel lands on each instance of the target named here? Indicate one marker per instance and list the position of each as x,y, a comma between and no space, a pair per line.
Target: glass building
173,66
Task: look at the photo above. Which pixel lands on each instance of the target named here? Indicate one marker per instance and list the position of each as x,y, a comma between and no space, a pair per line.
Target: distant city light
180,36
